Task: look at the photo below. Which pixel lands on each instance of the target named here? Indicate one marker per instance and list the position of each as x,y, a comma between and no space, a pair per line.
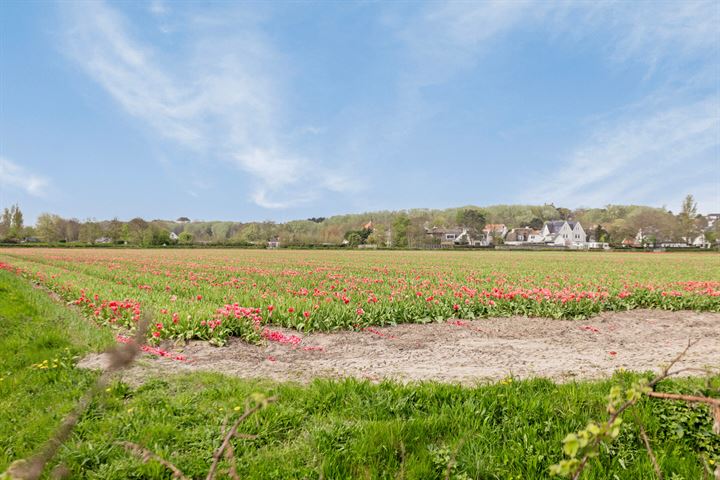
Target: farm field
326,429
217,294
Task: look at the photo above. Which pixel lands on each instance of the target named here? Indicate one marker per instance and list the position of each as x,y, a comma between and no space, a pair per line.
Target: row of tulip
215,294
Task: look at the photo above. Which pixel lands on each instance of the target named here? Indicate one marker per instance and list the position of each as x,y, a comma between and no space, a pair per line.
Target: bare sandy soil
462,351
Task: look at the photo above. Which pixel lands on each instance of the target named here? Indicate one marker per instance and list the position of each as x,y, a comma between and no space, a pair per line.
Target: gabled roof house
563,232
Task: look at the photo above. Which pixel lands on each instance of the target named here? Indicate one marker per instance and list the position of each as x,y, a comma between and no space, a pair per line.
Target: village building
712,218
495,231
563,233
457,236
524,235
274,242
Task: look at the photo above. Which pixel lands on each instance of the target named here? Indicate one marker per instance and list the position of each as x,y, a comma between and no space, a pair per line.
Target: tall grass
333,429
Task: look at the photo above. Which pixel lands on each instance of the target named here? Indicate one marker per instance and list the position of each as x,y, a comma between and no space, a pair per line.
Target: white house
712,218
563,233
450,237
494,231
524,235
700,241
173,236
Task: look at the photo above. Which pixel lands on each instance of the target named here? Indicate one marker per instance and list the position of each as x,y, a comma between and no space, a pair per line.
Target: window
449,236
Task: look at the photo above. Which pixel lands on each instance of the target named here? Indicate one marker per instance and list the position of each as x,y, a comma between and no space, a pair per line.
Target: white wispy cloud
13,175
220,96
669,140
447,37
158,7
648,155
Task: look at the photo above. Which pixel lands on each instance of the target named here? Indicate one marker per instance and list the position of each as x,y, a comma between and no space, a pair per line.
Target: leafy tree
16,221
601,235
471,218
360,236
11,222
136,231
47,227
115,230
90,231
354,239
160,236
220,231
400,231
686,219
536,223
5,223
565,213
185,238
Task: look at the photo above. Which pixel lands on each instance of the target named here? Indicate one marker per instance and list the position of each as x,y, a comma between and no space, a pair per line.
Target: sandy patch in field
464,351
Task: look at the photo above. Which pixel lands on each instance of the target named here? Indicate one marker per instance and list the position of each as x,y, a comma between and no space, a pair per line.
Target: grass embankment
346,429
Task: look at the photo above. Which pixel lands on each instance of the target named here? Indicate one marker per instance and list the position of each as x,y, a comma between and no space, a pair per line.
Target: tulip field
217,293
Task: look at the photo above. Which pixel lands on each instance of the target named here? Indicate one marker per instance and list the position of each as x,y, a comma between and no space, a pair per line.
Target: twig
121,357
646,441
665,373
686,398
233,431
230,457
146,455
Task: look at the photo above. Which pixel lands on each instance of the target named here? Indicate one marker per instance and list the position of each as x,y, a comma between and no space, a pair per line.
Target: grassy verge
346,429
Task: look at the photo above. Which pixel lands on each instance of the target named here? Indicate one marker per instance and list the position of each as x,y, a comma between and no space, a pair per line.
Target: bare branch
121,357
146,455
646,441
233,431
686,398
230,457
665,373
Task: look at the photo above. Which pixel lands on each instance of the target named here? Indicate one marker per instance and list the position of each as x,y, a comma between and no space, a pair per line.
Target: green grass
344,429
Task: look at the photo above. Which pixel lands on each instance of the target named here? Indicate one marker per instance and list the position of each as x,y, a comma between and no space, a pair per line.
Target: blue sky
285,110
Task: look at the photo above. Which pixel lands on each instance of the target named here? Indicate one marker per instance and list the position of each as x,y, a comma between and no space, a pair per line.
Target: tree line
403,229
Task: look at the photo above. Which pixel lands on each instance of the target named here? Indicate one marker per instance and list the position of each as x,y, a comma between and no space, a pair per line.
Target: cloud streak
13,175
636,158
633,155
220,98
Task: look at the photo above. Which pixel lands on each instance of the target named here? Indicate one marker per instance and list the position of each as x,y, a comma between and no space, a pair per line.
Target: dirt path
464,351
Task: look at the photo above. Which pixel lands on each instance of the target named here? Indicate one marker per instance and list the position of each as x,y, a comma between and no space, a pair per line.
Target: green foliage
358,237
618,221
686,219
536,224
185,238
400,231
329,428
471,218
675,419
40,341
